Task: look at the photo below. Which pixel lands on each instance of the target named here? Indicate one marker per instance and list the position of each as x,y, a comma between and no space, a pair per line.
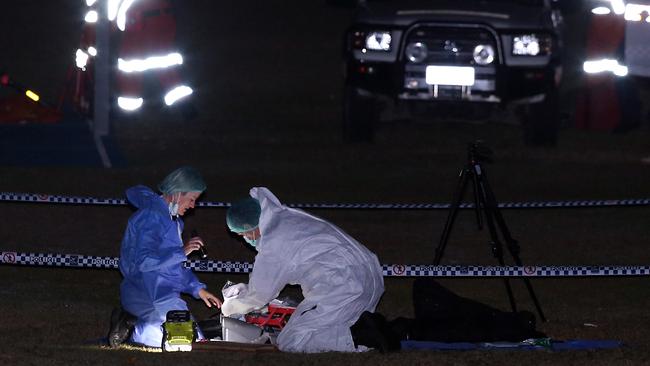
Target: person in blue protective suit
152,256
340,278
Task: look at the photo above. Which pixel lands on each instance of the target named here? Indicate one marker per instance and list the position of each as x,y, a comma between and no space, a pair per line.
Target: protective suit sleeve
191,283
232,306
150,257
270,275
234,290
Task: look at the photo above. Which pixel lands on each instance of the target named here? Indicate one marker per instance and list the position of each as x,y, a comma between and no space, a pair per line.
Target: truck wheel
360,115
541,122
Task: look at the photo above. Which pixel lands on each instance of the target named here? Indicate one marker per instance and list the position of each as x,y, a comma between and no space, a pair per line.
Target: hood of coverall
143,197
270,206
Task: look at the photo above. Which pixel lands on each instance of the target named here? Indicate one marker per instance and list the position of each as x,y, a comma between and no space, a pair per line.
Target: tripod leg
512,245
497,247
453,212
513,248
477,201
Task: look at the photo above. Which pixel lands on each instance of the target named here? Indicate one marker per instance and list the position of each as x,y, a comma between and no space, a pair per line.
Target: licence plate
450,75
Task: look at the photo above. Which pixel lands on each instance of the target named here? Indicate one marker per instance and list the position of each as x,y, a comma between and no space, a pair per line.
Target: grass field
49,314
283,133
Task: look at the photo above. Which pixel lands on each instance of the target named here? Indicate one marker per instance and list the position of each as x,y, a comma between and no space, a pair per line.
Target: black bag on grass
441,315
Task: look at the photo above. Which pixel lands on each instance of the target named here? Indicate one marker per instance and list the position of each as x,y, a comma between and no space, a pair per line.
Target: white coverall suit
339,277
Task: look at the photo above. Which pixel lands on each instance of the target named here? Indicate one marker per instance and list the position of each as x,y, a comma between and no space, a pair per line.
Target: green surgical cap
244,215
183,179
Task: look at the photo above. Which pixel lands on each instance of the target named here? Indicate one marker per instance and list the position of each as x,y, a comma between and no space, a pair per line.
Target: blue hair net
244,215
183,179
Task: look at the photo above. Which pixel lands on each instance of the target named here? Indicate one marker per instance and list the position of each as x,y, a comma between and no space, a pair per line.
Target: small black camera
477,152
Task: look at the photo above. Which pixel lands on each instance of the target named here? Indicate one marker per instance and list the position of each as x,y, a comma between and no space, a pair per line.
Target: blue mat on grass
554,345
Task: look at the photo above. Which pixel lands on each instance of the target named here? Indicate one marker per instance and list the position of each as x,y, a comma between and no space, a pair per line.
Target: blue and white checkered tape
389,270
56,199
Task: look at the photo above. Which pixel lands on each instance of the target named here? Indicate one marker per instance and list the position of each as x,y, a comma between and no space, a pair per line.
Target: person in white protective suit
340,278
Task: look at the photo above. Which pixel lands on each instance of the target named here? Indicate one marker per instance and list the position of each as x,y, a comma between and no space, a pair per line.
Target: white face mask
253,241
173,206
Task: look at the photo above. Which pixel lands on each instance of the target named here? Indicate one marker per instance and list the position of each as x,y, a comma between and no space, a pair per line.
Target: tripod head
478,153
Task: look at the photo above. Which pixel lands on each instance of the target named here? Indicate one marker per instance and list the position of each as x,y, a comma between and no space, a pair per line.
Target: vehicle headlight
416,52
378,41
526,45
483,54
532,44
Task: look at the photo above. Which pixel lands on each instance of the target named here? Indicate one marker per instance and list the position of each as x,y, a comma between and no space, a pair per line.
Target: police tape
87,261
56,199
389,270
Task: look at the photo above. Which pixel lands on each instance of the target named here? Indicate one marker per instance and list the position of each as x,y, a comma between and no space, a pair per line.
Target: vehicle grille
451,46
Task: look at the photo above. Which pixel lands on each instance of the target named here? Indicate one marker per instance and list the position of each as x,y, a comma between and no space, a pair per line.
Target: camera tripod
485,206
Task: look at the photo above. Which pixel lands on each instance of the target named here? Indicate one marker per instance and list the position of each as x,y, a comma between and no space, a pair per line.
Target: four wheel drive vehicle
470,57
